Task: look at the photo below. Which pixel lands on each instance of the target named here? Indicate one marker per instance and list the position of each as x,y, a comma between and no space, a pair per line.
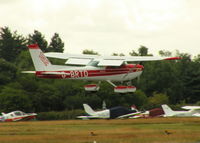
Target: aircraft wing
84,59
196,115
128,115
88,117
191,107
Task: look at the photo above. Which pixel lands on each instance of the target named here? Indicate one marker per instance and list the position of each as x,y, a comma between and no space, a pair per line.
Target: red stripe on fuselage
88,73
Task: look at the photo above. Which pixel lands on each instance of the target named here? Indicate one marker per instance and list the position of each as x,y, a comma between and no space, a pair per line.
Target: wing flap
110,62
77,61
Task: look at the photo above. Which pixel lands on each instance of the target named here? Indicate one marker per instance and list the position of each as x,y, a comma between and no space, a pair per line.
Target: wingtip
173,58
33,46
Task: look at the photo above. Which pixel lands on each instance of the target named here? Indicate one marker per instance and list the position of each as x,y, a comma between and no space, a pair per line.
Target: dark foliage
172,82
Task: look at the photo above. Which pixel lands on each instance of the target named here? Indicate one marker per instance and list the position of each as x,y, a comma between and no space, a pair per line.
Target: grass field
157,130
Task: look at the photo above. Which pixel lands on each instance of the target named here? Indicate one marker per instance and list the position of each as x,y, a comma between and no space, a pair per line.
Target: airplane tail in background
88,109
167,110
41,63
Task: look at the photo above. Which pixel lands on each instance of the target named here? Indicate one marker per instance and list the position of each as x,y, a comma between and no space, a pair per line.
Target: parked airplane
156,112
112,113
91,67
193,111
17,116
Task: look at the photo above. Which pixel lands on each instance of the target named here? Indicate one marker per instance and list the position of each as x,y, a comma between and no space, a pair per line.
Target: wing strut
111,83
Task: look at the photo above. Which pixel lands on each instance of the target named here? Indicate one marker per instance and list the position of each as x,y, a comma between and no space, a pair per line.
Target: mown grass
181,130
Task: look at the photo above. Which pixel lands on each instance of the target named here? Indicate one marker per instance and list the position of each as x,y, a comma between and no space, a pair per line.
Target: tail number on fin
77,74
43,59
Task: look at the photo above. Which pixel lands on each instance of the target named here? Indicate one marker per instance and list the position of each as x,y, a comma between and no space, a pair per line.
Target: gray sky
108,26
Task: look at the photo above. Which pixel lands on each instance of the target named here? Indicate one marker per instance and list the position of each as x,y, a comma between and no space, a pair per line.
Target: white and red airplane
91,68
192,111
17,116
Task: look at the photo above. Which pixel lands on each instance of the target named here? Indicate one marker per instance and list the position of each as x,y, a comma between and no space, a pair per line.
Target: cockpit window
18,113
93,63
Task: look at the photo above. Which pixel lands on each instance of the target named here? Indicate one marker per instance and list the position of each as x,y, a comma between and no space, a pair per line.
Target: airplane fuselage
123,73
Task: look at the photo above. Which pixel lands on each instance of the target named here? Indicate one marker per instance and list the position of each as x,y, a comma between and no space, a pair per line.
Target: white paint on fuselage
116,77
102,114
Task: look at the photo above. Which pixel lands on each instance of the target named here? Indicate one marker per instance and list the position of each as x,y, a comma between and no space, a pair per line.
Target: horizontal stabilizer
88,109
167,110
29,72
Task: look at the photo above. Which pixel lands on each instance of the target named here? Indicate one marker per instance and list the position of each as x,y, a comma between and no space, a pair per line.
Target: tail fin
88,109
168,111
41,63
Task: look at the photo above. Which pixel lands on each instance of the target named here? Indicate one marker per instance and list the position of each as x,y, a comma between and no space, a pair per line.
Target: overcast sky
108,26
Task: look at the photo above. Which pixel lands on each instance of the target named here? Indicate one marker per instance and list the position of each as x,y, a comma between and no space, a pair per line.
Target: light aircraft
91,68
193,111
17,116
112,113
156,112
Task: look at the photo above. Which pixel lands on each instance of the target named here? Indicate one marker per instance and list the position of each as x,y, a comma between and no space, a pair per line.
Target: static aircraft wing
191,107
128,115
104,60
196,115
87,117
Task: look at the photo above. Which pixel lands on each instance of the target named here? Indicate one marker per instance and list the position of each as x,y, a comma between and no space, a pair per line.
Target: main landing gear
92,87
122,88
118,89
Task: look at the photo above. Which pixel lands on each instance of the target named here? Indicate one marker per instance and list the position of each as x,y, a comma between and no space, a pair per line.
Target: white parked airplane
91,68
193,111
17,116
112,113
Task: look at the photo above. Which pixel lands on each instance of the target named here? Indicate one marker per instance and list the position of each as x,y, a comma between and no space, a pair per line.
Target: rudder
88,109
41,63
167,110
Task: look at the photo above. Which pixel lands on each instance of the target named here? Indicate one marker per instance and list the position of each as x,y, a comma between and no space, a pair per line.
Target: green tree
89,52
133,53
157,100
7,72
56,44
116,54
143,51
12,97
11,44
165,53
197,58
38,38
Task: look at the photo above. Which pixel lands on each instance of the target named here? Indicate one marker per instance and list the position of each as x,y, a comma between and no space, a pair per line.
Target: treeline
169,82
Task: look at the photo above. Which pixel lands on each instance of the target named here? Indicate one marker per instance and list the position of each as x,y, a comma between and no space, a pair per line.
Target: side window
18,113
93,63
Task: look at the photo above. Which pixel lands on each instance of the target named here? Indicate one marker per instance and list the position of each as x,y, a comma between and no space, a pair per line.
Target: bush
63,115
